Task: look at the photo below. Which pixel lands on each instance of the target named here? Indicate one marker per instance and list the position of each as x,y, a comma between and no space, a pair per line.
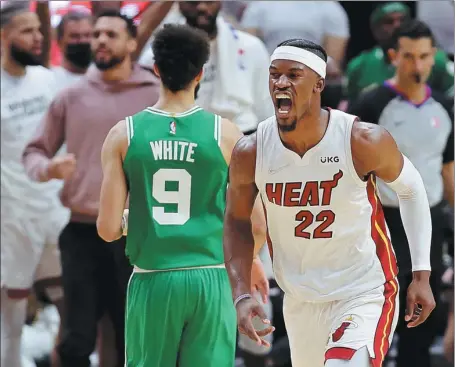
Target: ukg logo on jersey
330,159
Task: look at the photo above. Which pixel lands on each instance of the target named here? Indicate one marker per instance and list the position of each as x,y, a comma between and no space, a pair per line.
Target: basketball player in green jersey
173,160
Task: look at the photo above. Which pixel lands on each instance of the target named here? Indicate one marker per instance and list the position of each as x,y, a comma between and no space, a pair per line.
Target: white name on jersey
173,150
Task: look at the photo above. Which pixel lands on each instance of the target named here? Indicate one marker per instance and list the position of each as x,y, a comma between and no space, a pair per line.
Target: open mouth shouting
283,103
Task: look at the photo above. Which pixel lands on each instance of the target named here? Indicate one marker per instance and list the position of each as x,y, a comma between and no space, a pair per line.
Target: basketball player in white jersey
315,171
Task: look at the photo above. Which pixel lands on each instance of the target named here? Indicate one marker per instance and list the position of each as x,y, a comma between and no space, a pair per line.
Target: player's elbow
106,230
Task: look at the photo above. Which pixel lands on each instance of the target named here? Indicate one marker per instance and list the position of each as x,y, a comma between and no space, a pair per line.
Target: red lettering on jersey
328,186
274,192
291,193
326,217
294,195
310,194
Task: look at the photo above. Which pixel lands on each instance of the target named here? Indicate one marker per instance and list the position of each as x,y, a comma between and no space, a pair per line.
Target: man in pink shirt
95,273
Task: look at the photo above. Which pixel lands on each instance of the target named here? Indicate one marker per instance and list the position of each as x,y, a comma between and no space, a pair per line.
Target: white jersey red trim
326,228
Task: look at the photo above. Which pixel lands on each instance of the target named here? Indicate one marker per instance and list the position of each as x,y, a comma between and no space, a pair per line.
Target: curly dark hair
180,52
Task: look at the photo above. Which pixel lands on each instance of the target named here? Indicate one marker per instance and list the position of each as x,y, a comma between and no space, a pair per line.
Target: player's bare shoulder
370,144
243,160
120,129
117,139
230,135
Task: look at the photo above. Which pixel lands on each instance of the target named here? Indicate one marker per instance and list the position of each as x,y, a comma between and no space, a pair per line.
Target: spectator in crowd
74,33
421,123
373,67
440,17
31,214
77,14
95,273
235,78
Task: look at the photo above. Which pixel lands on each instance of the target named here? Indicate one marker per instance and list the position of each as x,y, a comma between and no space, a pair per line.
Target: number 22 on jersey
292,194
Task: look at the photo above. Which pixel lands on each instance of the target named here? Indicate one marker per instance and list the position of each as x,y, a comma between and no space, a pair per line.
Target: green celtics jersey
370,69
177,178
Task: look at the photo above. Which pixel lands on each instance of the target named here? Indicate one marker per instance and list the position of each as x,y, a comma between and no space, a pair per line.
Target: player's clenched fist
61,167
420,300
247,309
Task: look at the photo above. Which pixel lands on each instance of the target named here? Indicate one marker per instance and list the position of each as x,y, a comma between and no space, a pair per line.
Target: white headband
305,57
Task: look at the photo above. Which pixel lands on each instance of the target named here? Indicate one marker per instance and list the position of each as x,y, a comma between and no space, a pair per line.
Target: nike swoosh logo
276,170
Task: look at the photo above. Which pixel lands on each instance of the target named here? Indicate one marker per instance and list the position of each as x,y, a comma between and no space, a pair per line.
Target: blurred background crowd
68,66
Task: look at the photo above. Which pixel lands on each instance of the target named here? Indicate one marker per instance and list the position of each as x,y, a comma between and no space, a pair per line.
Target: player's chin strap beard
288,128
305,57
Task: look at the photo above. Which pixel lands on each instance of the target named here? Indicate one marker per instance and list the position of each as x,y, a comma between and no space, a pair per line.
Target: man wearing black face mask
31,213
73,34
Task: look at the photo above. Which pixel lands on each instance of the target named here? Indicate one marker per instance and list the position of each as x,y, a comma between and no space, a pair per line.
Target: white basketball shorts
29,250
336,330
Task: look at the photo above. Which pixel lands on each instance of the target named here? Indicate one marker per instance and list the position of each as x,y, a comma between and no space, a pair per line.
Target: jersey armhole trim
217,135
217,130
348,152
129,128
259,158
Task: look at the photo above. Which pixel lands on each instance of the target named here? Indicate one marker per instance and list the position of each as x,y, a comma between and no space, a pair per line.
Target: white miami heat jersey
326,228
